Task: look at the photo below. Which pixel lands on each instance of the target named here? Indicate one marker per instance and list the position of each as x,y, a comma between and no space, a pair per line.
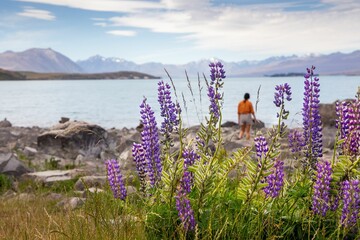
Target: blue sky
180,31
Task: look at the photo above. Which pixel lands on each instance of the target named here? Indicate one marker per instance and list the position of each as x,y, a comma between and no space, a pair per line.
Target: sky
180,31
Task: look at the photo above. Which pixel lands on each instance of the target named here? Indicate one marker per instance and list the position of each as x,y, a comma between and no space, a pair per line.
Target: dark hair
246,96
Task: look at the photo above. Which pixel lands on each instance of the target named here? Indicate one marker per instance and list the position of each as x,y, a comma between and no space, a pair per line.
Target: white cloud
102,5
124,33
100,24
37,13
255,29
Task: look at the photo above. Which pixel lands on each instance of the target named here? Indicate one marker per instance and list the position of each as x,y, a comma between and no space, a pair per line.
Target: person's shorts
245,119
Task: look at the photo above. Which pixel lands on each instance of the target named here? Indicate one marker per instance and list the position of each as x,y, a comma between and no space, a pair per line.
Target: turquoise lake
115,103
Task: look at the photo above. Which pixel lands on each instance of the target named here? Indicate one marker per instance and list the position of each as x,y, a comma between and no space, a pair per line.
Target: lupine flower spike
139,158
295,141
216,76
150,143
261,146
311,119
190,157
115,179
349,125
169,110
351,203
185,212
321,200
281,91
275,180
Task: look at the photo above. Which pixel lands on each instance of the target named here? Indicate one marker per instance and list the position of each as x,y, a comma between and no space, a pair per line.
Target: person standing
246,116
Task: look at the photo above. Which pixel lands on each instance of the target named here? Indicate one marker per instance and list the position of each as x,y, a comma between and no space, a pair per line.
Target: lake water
115,103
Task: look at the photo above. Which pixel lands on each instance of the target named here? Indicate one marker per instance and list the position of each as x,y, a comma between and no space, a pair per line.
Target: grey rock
71,138
11,165
229,124
258,125
233,146
328,114
54,196
90,182
5,123
92,190
71,203
29,151
48,177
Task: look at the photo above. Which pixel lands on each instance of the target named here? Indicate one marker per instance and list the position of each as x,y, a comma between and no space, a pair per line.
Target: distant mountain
332,64
50,61
38,60
15,75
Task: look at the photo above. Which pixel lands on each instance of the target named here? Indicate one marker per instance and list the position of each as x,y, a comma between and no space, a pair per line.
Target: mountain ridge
49,61
21,75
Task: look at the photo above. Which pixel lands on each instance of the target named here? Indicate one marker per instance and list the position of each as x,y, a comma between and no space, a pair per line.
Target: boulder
229,124
29,151
71,203
48,177
5,123
328,114
71,138
90,182
258,125
11,165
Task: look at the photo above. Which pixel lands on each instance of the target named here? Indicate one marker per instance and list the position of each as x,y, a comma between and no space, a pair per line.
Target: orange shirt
245,107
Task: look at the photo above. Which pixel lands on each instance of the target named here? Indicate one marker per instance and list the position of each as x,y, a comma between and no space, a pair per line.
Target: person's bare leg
242,131
247,130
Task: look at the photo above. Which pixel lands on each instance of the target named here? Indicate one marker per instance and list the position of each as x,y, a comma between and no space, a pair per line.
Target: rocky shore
76,150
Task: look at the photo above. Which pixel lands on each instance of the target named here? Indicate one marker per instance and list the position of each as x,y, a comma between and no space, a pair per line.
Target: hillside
9,75
13,75
38,60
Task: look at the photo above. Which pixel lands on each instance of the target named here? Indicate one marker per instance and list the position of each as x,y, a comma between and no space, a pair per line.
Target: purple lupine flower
281,91
311,118
349,125
150,142
295,141
138,154
261,146
214,102
334,201
321,196
217,71
169,110
275,180
190,156
354,126
351,203
185,212
115,179
342,123
217,75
